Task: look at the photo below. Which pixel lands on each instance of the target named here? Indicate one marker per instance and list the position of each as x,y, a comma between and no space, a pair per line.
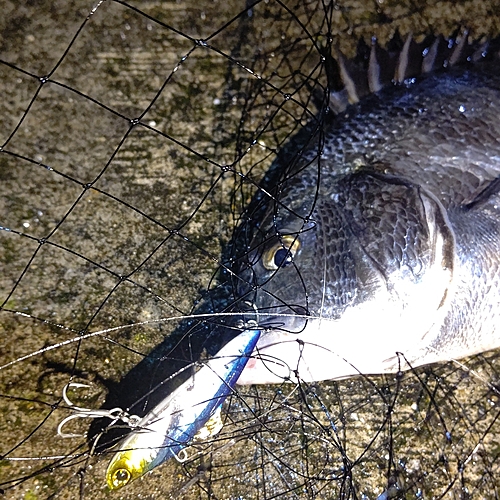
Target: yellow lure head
127,466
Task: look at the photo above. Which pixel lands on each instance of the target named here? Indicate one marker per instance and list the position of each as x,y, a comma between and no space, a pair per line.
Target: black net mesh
133,138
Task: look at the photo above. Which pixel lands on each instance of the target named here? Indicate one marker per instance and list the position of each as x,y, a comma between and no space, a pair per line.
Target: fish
378,249
168,429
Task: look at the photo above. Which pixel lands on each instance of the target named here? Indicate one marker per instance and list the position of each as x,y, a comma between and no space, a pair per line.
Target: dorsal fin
374,67
347,79
409,61
381,67
480,52
432,55
374,81
458,51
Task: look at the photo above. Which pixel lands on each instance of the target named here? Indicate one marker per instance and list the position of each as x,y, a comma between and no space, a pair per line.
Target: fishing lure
169,427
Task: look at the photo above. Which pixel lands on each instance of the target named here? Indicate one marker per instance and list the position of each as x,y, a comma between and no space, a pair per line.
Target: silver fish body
380,249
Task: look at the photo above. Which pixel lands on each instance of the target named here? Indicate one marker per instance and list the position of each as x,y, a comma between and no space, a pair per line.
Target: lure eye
120,478
281,254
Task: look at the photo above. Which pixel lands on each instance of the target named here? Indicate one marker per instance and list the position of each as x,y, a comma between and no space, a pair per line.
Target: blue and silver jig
169,427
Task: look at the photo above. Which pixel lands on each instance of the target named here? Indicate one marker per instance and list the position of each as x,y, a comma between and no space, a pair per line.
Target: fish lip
275,317
292,322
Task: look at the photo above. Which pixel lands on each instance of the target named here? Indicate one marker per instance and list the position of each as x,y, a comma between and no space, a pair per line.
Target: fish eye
120,478
281,253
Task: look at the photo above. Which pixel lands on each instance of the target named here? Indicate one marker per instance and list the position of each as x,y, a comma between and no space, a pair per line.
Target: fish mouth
309,357
284,318
289,351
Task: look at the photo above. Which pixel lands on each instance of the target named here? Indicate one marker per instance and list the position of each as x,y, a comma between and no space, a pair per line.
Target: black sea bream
379,249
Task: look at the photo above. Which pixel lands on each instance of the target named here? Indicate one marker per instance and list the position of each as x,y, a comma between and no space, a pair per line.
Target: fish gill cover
134,135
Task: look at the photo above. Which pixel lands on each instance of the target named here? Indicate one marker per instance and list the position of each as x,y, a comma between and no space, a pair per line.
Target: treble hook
114,414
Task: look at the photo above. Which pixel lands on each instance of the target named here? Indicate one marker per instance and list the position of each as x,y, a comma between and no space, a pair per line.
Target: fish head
342,291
